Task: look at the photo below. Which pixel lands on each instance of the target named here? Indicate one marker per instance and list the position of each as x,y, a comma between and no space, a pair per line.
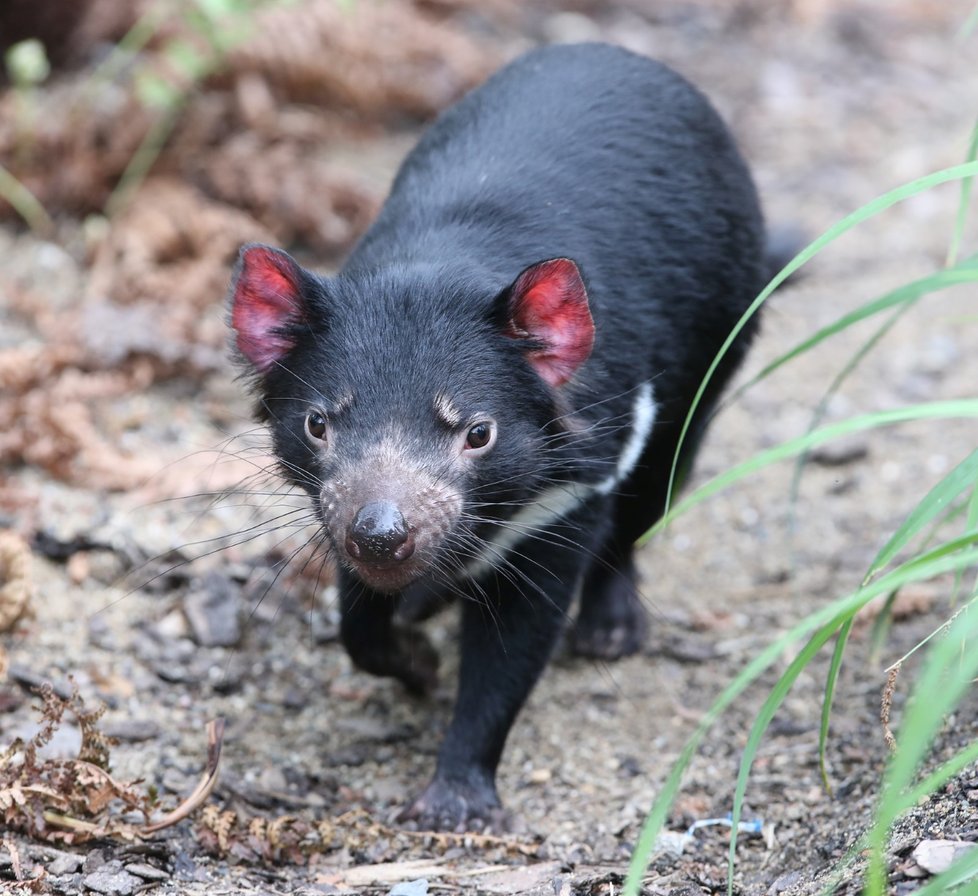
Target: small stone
78,567
839,452
176,781
936,856
147,872
93,861
213,610
172,626
112,880
29,678
132,730
417,887
64,863
784,882
540,776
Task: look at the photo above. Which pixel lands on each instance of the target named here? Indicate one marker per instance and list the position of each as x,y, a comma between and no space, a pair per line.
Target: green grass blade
965,271
871,209
831,679
940,561
938,499
964,407
943,627
881,626
938,778
25,203
763,720
964,201
962,871
822,408
943,680
971,516
842,624
971,524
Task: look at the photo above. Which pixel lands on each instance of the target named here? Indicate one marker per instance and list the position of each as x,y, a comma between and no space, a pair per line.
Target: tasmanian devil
485,401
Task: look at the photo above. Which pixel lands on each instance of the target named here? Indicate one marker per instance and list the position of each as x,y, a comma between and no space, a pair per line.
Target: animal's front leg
377,644
510,624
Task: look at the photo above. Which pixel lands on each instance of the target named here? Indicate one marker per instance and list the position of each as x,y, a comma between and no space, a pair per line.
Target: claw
456,807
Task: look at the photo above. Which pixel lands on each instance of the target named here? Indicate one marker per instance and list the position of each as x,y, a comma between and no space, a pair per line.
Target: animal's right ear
266,304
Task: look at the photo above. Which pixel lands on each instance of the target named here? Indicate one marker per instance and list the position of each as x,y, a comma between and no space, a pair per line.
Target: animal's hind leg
611,622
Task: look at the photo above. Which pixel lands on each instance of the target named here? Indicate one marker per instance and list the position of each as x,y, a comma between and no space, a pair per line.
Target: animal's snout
379,534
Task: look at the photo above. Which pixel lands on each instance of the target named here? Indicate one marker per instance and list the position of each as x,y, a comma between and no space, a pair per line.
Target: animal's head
413,405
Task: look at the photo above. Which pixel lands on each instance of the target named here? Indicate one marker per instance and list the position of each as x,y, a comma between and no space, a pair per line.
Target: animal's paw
613,624
459,807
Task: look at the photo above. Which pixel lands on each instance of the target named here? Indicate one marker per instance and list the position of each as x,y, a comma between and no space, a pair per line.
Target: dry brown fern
374,58
15,581
293,839
67,800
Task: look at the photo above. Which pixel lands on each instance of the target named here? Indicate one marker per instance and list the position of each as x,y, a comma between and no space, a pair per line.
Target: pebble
94,860
147,872
841,451
213,610
64,863
171,627
417,887
785,882
131,730
936,856
28,678
113,880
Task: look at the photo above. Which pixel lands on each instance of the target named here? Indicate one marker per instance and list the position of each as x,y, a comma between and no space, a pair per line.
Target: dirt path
834,104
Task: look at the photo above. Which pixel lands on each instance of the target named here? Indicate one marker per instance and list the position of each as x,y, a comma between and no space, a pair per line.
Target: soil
171,577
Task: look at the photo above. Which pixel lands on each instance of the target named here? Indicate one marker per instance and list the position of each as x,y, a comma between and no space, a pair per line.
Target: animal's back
595,153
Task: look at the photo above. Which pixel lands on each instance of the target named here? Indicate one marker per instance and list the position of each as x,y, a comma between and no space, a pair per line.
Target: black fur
583,152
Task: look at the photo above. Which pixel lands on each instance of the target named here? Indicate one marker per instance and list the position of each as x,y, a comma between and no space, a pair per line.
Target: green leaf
936,501
945,558
774,700
964,407
831,680
964,201
871,209
943,680
963,272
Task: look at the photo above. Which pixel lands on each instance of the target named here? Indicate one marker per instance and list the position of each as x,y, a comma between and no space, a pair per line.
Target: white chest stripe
643,416
557,501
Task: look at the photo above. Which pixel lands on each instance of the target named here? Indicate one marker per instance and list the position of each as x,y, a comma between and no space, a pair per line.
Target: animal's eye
316,426
480,437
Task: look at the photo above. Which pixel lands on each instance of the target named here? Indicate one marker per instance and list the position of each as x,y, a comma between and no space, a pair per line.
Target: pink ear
548,305
265,300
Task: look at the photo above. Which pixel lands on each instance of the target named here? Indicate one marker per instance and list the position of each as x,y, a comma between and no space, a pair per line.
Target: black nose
378,534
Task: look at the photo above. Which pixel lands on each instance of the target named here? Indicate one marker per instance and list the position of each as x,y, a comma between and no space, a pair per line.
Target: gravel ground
177,611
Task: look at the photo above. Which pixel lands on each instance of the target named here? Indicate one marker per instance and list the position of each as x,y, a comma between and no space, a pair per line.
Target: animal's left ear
547,306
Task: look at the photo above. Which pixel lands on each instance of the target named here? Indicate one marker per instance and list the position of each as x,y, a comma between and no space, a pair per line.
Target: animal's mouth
387,577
